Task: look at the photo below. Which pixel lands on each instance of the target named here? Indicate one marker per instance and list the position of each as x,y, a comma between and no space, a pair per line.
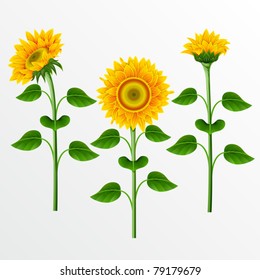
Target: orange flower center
134,95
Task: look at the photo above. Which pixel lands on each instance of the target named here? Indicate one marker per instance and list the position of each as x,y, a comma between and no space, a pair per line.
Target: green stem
58,162
216,159
206,67
139,137
215,107
140,186
47,94
204,149
55,142
133,156
128,196
204,100
49,144
58,105
128,144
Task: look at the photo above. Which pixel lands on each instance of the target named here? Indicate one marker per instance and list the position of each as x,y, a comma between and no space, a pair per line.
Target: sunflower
33,54
206,47
134,93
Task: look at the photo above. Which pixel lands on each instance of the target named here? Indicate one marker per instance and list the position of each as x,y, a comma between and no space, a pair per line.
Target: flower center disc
34,57
134,94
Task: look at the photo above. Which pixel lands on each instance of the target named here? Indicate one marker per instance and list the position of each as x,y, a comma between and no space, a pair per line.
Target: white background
173,225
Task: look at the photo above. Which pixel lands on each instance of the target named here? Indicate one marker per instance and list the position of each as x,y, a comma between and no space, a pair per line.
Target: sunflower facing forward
33,54
134,93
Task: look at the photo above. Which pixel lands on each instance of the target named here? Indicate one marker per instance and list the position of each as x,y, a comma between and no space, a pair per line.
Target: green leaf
49,123
187,97
202,125
234,154
184,146
109,193
80,151
141,162
234,102
31,93
159,182
128,164
62,121
78,98
215,127
108,139
31,140
155,134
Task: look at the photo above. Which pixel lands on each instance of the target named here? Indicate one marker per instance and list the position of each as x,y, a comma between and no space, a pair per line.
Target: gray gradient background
173,225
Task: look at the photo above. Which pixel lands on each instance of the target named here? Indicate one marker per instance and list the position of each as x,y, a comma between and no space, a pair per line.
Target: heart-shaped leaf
108,139
215,127
234,154
234,102
187,97
155,134
184,146
62,121
129,164
202,125
78,98
159,182
31,93
31,140
80,151
109,193
49,123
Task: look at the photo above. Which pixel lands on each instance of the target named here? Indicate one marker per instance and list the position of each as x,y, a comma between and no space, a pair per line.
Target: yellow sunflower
134,93
33,54
206,47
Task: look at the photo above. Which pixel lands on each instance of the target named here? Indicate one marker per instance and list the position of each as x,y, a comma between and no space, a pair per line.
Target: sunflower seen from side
134,93
206,47
35,53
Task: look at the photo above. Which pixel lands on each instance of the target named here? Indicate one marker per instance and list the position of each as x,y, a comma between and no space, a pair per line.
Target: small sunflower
33,54
206,47
134,93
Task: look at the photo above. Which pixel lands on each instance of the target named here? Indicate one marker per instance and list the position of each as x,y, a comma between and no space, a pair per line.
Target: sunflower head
134,93
206,47
34,54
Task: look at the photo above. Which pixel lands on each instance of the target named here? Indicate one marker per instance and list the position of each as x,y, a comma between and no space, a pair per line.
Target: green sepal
206,57
233,102
31,140
236,155
109,193
48,68
187,97
108,139
215,127
60,123
155,134
184,146
128,164
31,93
159,182
80,151
78,98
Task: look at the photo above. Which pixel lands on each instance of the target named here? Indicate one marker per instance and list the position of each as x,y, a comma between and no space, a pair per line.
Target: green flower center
34,57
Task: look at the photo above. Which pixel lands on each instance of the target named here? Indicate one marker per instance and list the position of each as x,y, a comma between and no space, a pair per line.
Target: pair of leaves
188,144
111,137
230,100
112,191
32,139
75,96
128,164
216,126
49,123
